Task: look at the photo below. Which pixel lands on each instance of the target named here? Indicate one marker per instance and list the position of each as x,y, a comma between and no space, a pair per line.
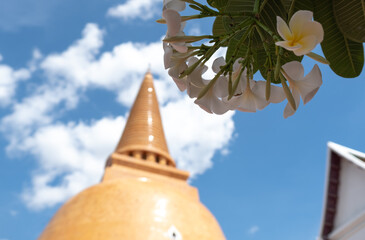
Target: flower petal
173,21
233,103
289,111
277,94
204,103
168,51
288,46
195,80
192,90
299,20
180,83
176,5
309,86
283,29
307,43
217,64
174,72
259,90
315,29
180,47
220,88
237,65
211,104
247,101
219,107
295,70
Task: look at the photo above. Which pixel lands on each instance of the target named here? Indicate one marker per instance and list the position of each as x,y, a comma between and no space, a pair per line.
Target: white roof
351,155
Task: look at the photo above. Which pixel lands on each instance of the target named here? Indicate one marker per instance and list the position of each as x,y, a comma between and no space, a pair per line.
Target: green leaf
218,26
268,15
185,38
287,4
299,5
233,45
234,6
220,3
272,9
350,18
211,3
346,57
304,5
264,67
236,11
230,22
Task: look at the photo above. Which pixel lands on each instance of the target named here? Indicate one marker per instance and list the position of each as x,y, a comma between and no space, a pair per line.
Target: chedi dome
142,196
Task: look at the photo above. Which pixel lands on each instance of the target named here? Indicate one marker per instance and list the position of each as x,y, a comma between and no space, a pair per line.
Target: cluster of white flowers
301,37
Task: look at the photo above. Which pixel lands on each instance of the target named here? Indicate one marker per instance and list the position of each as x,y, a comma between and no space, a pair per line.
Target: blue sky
69,71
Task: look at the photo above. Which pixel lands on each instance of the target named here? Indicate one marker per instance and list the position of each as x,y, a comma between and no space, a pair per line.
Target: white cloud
36,58
36,111
253,230
195,30
132,9
71,155
120,70
9,79
194,135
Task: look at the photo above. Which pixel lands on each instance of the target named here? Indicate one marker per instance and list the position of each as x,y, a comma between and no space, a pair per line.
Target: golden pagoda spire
143,136
141,196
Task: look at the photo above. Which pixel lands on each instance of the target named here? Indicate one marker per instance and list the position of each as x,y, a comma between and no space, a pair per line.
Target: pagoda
142,195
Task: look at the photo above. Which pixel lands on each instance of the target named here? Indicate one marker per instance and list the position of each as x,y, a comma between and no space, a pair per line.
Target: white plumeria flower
175,28
211,102
300,85
277,94
253,98
176,62
176,5
167,56
217,64
194,79
302,35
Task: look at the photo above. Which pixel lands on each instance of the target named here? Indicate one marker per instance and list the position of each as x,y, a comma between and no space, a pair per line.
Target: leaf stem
268,86
288,93
186,18
291,9
230,82
266,29
263,5
277,68
256,7
191,68
210,84
188,39
239,44
239,27
236,81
